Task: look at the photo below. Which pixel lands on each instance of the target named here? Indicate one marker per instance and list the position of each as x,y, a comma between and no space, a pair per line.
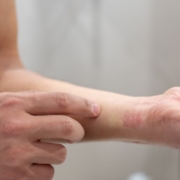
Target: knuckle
67,126
87,103
62,99
14,128
9,130
13,154
10,101
173,91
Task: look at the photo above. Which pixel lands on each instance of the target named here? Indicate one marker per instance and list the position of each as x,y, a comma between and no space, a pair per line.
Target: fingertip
81,134
96,109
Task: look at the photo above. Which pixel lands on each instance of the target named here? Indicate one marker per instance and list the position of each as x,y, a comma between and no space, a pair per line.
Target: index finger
42,103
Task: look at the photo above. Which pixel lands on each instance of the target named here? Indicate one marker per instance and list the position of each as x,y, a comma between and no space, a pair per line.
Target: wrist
137,121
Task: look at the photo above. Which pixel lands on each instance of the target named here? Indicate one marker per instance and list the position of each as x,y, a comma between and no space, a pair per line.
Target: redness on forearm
137,120
122,117
134,118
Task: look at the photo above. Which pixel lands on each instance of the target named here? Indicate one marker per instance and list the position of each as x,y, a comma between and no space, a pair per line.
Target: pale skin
29,119
150,120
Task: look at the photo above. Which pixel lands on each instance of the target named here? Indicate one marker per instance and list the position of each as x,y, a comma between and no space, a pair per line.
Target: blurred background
130,47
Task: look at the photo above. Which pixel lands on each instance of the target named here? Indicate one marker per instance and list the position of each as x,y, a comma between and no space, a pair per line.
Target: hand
164,119
26,119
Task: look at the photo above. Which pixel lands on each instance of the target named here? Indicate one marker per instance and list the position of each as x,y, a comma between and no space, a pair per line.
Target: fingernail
96,109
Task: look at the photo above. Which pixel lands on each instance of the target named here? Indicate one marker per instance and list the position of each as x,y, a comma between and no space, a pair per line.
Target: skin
30,120
26,119
147,120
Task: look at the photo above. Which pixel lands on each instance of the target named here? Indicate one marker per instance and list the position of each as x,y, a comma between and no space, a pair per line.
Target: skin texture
29,120
150,120
165,119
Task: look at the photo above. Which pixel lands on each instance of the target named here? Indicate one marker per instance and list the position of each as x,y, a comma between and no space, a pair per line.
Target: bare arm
15,78
27,118
138,119
8,36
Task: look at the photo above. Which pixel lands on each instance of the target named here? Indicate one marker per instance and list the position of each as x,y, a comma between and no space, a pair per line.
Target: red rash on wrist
138,112
133,119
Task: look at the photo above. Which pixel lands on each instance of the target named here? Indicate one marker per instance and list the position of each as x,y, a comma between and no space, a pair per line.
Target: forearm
152,120
122,117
